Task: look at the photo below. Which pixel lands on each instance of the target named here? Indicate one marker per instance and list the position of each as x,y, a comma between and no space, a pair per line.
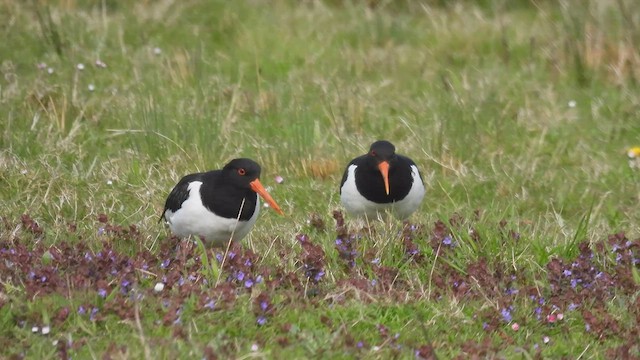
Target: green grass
477,93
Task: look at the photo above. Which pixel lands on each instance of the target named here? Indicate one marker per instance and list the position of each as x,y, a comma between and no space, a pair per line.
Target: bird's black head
382,150
382,155
242,171
246,174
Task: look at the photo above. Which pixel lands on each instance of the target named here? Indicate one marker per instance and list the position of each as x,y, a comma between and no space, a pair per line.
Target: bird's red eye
242,172
373,153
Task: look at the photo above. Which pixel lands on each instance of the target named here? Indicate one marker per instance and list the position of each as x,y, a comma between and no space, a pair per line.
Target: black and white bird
381,181
218,205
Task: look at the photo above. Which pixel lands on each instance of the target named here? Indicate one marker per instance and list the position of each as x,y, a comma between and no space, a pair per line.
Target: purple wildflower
566,272
240,276
211,304
94,311
248,283
261,320
81,310
447,240
263,305
102,293
506,315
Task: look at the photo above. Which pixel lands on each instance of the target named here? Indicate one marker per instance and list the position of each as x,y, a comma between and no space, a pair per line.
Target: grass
520,111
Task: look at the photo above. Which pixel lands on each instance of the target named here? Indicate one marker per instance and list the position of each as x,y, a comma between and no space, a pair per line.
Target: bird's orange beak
384,170
259,189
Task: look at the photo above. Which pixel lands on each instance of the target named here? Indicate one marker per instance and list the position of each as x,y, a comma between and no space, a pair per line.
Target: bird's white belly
193,218
358,205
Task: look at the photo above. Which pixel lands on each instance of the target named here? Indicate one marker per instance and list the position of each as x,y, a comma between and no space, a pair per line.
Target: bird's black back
219,194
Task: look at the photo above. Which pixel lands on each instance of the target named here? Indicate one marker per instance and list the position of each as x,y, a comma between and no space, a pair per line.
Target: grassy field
519,114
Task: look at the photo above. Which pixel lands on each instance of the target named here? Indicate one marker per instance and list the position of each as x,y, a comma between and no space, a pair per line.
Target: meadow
518,113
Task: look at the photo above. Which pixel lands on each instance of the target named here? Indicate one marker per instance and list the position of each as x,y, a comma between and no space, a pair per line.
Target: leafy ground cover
518,113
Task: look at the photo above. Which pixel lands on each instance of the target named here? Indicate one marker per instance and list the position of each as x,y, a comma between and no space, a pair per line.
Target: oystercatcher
381,181
217,205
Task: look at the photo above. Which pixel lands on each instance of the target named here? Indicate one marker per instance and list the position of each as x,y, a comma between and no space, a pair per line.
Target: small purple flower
259,279
574,283
247,263
100,231
191,278
373,282
485,326
88,256
261,320
177,321
566,272
618,257
302,237
447,240
572,307
338,241
102,293
181,281
587,327
318,275
31,275
94,311
81,310
240,276
506,315
43,279
263,305
360,344
375,261
232,254
248,283
219,257
211,304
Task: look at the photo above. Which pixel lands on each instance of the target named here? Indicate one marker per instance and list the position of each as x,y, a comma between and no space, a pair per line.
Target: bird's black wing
411,162
180,193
